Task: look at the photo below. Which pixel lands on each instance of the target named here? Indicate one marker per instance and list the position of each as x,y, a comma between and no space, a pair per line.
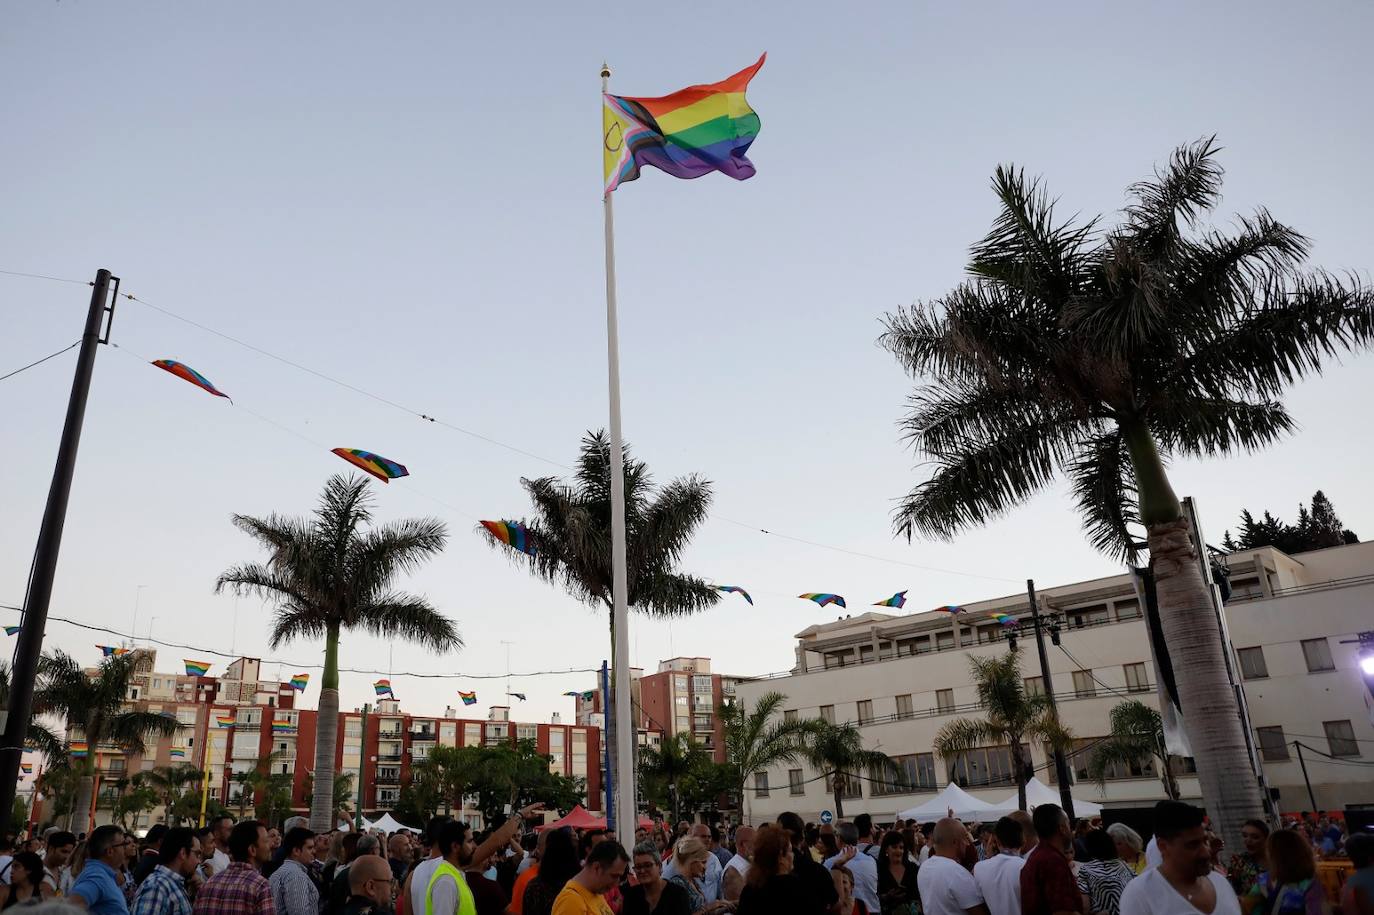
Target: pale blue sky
408,197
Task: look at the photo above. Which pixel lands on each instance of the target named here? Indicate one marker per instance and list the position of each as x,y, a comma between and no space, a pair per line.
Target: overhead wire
41,361
40,276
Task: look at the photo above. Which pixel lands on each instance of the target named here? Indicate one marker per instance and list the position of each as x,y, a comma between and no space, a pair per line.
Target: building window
1035,686
865,711
760,784
796,787
1128,609
701,685
984,766
1080,754
680,683
828,714
1273,746
850,786
789,716
1083,685
944,640
965,638
914,772
904,709
1317,653
865,654
944,700
1341,736
1137,681
1252,666
1087,616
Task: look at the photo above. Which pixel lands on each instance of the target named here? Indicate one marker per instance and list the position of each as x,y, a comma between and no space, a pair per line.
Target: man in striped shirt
163,892
293,892
240,889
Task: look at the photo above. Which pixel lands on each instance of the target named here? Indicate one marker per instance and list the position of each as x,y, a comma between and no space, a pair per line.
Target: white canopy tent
387,824
964,805
1037,793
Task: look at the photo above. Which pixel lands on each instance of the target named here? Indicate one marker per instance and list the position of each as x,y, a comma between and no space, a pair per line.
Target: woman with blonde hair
689,862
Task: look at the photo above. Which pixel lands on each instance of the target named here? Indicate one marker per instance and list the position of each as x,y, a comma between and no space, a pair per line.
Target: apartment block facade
899,679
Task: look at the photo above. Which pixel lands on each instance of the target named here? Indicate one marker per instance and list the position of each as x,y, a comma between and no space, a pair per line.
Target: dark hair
1009,833
156,832
1262,826
830,846
174,842
1174,817
864,824
792,824
605,854
1360,848
585,845
215,821
100,841
203,833
771,843
242,838
1099,845
1047,818
559,864
59,839
350,846
32,864
1290,857
295,838
432,830
891,839
6,842
715,833
453,833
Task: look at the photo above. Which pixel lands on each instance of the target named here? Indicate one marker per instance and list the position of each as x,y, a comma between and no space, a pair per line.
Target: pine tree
1318,527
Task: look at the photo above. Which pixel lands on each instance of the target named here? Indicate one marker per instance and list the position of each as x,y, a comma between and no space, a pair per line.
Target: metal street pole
30,641
1061,766
1311,798
362,772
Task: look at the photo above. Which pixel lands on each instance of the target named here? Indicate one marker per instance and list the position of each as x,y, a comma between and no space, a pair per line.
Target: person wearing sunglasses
651,894
97,889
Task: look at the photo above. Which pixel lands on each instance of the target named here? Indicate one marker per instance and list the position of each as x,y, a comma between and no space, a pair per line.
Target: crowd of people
1024,864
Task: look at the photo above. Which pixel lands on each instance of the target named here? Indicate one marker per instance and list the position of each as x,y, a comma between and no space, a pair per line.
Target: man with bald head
369,886
732,878
947,888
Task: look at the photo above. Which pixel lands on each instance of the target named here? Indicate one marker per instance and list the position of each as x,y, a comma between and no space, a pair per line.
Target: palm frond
1198,426
411,618
1178,194
964,734
1104,490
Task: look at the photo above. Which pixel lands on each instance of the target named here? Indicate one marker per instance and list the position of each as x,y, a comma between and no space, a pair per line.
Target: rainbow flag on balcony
196,668
224,721
468,698
300,681
177,753
26,768
282,726
79,749
383,688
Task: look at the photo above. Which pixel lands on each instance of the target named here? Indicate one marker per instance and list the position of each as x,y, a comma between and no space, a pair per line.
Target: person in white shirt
863,867
999,876
737,868
947,888
1184,883
220,827
1152,855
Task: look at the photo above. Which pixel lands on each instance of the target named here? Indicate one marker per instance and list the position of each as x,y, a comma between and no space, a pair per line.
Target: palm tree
40,737
1137,733
670,762
94,705
332,573
343,793
1101,353
1011,715
170,783
755,741
135,797
571,528
837,751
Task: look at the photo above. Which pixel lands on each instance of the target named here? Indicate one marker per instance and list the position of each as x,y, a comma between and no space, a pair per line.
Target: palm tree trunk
81,810
1018,766
326,736
1170,782
839,799
1188,619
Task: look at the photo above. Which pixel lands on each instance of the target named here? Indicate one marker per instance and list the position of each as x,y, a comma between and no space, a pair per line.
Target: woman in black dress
653,895
897,878
771,887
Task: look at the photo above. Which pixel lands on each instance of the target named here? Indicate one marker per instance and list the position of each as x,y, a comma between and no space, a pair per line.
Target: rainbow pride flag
282,726
177,753
468,698
693,132
196,668
26,768
383,688
897,600
11,630
111,651
224,721
300,681
79,749
823,599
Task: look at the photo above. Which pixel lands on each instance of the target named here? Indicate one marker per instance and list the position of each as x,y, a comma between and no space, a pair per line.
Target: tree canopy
1318,527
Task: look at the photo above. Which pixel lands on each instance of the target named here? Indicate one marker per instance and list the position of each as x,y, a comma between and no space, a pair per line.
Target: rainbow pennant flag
383,688
196,668
111,651
951,609
897,600
823,599
513,534
224,721
300,681
693,132
78,749
11,630
468,698
26,768
177,753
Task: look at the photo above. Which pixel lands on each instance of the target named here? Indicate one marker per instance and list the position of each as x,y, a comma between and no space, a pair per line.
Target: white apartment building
900,678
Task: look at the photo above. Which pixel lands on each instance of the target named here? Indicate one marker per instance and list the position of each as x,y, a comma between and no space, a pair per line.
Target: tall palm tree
170,783
837,751
1011,715
670,762
40,737
571,529
1137,733
758,739
95,705
343,793
330,573
1102,352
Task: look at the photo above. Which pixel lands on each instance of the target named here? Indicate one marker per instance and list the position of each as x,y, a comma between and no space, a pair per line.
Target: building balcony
388,775
389,734
389,757
424,735
386,803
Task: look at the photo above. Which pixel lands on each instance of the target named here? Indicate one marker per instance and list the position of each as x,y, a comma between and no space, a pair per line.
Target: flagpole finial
605,70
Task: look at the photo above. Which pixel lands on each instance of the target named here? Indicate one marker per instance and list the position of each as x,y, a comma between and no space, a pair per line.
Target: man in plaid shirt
293,892
240,889
163,892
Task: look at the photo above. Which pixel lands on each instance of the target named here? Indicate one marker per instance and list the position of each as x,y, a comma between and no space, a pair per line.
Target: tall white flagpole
625,731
